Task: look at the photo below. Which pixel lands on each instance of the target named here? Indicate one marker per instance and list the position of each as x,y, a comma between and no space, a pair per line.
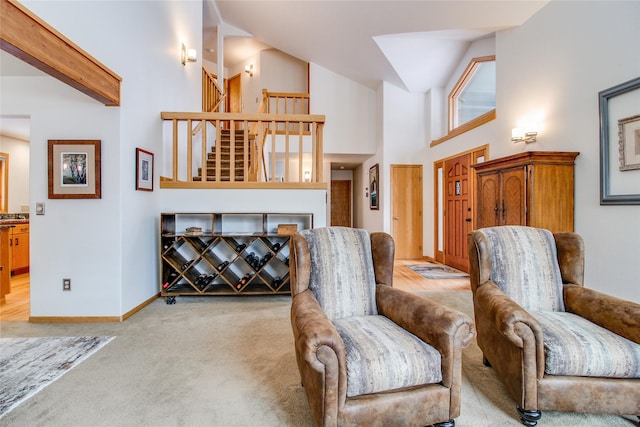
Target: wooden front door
457,212
406,210
341,203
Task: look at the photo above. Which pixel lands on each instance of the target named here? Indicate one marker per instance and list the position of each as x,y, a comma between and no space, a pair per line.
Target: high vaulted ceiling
412,44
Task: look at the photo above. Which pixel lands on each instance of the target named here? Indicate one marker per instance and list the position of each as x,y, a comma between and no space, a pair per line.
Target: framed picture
620,163
374,187
629,143
144,170
74,169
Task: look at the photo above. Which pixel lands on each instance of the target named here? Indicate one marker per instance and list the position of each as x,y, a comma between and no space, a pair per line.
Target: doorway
14,193
406,210
341,203
454,183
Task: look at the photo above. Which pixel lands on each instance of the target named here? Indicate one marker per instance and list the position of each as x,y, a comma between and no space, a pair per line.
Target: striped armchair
555,344
369,354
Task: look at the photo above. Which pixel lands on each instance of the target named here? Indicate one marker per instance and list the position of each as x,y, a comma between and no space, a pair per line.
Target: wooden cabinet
5,263
533,188
226,253
19,248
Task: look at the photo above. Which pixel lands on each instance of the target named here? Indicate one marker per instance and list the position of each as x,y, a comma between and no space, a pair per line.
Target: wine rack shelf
226,253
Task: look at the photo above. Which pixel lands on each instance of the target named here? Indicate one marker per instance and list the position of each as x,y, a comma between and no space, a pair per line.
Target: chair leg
450,423
529,418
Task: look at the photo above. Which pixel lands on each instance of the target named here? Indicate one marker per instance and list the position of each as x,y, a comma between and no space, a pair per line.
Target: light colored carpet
437,271
223,361
27,365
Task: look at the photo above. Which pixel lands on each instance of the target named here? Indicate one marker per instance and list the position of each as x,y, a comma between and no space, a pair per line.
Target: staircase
225,158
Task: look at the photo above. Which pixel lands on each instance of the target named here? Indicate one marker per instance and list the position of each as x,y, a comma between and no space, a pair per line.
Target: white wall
553,66
107,246
350,110
18,152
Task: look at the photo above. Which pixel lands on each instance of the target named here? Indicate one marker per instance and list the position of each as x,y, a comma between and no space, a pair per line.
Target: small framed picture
74,169
144,170
374,187
629,143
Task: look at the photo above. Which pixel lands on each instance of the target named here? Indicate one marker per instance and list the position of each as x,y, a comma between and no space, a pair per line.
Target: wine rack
225,253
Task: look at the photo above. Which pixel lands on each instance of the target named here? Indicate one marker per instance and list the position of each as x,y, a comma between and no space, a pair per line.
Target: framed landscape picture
74,169
144,170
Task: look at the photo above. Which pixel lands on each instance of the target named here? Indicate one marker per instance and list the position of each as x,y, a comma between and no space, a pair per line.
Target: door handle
396,218
468,219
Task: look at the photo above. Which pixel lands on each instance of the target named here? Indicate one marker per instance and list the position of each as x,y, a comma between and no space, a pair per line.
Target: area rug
437,271
27,365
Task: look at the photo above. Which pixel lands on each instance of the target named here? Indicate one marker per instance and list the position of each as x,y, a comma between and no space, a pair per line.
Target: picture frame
629,142
374,187
618,107
144,170
74,169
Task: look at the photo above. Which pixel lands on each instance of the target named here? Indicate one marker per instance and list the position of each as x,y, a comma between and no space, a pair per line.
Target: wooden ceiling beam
26,36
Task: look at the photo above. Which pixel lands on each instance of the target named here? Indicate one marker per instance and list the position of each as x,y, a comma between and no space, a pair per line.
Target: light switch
39,208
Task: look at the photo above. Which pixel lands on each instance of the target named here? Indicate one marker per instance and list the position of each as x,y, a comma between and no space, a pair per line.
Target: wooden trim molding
29,38
472,124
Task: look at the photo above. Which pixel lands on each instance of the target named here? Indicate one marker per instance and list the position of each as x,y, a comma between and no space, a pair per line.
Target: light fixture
526,135
249,70
186,54
307,176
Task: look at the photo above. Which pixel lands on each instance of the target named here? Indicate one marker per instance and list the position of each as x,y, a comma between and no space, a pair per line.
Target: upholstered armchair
369,354
554,344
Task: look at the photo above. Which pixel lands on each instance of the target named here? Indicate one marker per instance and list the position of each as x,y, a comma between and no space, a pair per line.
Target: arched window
472,101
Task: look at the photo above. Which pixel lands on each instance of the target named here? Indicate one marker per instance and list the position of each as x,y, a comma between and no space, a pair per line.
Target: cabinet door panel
513,209
487,210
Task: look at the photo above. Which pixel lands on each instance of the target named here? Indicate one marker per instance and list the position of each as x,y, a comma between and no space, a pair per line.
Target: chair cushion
382,356
524,265
575,346
342,277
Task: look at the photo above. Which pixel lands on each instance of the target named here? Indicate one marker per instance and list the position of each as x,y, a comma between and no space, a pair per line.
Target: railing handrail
292,130
212,94
238,117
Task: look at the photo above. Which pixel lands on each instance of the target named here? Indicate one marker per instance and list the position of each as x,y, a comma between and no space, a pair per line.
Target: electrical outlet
66,284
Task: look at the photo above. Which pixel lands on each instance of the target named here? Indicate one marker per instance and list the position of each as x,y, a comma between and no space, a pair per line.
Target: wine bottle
276,246
171,277
277,281
241,247
223,265
243,281
186,265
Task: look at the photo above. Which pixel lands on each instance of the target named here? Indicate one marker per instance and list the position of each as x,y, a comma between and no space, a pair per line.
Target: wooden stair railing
212,94
238,153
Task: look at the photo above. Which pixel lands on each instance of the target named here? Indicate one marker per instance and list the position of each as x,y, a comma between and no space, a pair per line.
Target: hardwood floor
16,306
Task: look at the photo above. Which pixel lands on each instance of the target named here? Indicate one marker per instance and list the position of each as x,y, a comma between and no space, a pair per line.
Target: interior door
406,210
234,97
341,203
457,215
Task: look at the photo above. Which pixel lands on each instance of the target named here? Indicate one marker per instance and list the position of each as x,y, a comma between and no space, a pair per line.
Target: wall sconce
186,54
519,135
307,176
249,70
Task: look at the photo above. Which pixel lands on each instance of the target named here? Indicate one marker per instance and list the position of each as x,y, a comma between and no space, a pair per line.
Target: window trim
457,88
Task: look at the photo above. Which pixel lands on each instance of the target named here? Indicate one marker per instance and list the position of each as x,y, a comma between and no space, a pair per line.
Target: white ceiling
411,44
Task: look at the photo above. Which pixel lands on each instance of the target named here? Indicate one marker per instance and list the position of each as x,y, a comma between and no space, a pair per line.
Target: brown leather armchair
555,344
369,354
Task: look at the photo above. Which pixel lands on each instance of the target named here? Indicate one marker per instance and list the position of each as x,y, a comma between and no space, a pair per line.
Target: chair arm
320,354
438,325
619,316
508,317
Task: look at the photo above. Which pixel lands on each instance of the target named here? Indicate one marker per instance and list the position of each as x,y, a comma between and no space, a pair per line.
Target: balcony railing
235,150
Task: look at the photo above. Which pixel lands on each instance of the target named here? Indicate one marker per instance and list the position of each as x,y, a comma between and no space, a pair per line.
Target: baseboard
92,319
